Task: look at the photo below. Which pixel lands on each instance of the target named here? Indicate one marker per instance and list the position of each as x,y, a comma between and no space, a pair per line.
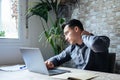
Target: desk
26,75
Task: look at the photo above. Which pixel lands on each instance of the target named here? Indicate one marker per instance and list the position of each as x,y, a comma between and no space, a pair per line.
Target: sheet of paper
76,76
12,68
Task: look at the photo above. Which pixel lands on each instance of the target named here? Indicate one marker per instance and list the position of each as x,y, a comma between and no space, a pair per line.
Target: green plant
52,33
2,33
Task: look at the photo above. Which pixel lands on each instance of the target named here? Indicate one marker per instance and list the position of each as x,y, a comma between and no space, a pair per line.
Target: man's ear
76,28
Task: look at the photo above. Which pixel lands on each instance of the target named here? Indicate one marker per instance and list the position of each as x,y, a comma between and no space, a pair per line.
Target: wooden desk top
27,75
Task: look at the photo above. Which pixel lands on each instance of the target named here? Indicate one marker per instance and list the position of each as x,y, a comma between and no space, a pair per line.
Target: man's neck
80,42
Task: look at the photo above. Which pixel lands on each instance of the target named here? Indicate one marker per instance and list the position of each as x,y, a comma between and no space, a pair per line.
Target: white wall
9,49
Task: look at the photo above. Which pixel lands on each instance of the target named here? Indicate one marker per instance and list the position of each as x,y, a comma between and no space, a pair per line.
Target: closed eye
66,33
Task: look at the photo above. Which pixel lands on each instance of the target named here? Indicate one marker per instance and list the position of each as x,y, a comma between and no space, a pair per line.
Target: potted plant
52,33
2,33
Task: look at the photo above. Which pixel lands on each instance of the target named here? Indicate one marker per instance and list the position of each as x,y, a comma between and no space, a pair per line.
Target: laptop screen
34,60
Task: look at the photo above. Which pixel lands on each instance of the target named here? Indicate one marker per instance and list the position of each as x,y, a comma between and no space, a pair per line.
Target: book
76,76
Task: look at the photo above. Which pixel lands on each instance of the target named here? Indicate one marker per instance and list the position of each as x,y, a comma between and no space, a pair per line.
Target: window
9,19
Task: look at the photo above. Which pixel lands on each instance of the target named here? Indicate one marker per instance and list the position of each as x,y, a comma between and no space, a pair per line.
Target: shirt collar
80,45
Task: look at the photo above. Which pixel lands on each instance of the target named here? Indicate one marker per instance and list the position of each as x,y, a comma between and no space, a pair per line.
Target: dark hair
72,23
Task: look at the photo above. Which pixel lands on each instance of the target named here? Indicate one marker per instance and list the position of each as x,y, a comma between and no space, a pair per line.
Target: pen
23,67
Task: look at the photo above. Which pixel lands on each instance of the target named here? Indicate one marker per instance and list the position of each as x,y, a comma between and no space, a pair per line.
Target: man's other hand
85,33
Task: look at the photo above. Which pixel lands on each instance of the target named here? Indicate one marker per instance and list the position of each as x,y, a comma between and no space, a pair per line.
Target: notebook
34,61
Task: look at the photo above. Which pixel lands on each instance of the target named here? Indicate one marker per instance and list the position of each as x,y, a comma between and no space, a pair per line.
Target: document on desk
12,68
76,76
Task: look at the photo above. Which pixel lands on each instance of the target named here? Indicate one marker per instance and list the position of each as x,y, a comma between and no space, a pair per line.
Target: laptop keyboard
57,71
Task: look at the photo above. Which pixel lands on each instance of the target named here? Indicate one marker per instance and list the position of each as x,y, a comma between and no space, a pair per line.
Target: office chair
112,61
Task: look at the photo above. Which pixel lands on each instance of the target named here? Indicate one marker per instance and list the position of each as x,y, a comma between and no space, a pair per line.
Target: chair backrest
112,61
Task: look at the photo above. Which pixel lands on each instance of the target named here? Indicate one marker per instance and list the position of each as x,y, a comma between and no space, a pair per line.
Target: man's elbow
101,45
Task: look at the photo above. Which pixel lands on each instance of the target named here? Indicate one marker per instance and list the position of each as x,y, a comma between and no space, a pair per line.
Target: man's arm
96,43
59,59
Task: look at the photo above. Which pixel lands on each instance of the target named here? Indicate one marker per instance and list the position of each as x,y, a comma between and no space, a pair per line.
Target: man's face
71,34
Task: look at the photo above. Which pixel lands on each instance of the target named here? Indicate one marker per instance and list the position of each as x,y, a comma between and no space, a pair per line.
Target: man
86,50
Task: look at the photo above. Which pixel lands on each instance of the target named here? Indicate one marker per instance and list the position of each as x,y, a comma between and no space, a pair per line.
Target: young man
86,50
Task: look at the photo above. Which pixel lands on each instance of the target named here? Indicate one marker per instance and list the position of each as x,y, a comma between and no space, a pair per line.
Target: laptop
34,62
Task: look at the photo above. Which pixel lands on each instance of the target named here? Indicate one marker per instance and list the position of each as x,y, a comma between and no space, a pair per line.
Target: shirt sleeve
61,58
96,43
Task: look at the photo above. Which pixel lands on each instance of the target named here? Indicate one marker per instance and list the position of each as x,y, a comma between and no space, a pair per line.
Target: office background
101,17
